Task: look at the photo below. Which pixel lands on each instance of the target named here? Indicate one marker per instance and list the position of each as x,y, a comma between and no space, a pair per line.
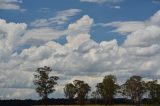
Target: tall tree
82,90
134,88
69,91
154,91
95,96
44,83
107,89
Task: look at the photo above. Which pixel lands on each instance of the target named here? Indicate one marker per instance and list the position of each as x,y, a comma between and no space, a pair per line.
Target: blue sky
100,12
128,10
78,39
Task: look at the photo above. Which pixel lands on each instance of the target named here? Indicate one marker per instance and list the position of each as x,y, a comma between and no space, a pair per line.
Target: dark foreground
62,102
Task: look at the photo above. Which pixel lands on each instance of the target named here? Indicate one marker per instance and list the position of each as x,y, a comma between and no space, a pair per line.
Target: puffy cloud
155,19
43,28
142,44
41,35
10,36
144,51
143,37
81,26
80,57
78,32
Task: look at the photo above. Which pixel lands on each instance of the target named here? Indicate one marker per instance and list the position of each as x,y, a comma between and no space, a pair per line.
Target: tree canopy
134,88
44,83
107,88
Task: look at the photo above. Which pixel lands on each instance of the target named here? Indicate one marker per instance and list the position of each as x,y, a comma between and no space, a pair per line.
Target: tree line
134,88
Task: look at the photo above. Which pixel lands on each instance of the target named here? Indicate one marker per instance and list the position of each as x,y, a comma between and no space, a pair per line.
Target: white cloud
101,1
47,29
95,1
41,35
116,7
156,1
144,37
80,57
78,32
10,4
142,43
155,19
61,18
124,27
10,36
132,26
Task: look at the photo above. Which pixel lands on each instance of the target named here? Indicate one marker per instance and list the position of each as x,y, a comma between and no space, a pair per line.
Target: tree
82,90
44,83
154,91
107,89
69,91
134,88
95,96
78,88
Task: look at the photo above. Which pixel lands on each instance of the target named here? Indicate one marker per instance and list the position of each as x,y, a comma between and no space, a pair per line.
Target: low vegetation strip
95,105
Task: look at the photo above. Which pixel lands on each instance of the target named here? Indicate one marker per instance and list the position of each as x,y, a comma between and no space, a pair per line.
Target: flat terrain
97,105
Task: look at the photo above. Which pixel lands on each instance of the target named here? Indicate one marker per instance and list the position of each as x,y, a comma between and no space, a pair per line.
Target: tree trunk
105,101
45,99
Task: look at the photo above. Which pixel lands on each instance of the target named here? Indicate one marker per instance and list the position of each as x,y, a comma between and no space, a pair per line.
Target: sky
78,39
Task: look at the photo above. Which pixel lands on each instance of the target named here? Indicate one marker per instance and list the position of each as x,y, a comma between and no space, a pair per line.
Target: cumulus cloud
10,36
144,37
41,35
142,42
80,57
44,30
78,32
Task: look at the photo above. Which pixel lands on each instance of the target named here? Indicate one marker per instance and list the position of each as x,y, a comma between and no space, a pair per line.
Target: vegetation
70,91
154,91
78,88
107,89
133,89
82,90
95,96
44,83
